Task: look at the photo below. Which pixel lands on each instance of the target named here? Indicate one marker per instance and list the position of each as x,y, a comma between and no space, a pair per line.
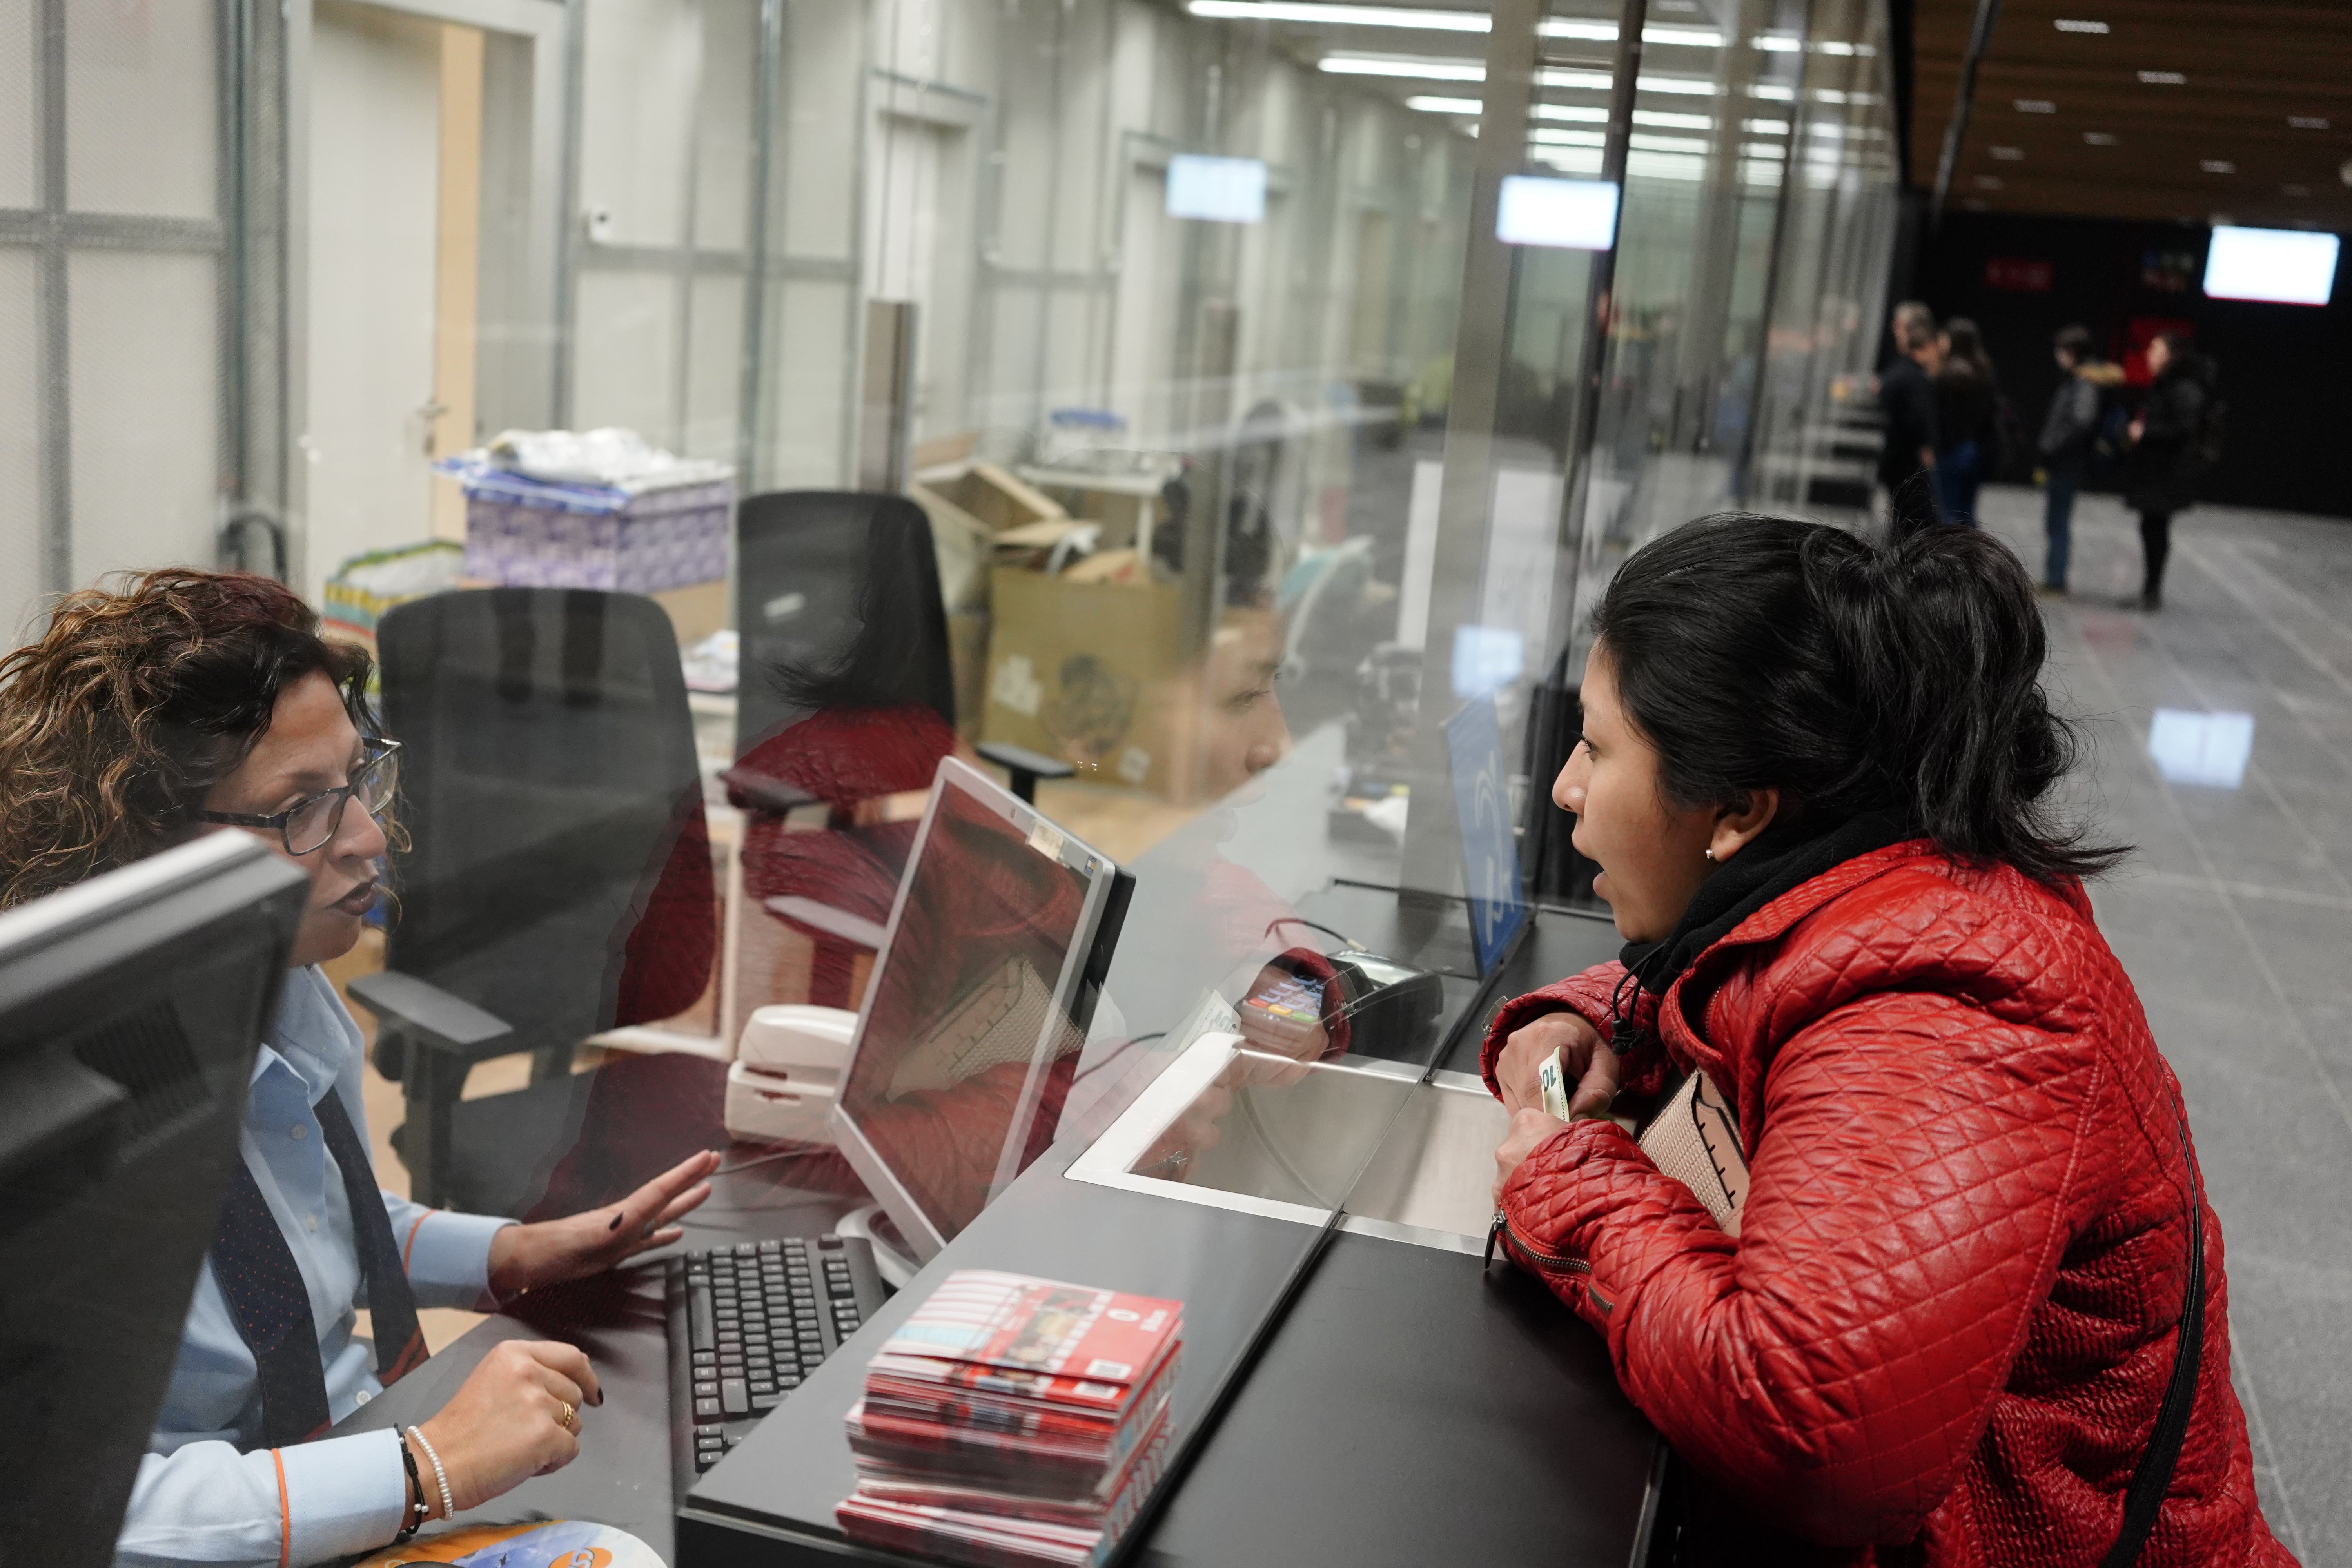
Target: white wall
375,97
20,528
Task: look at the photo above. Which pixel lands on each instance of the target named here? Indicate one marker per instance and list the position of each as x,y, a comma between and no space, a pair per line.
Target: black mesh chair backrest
548,776
837,603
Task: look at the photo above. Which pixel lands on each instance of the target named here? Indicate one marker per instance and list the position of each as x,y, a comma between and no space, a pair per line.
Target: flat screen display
2278,266
1569,215
967,1042
1222,190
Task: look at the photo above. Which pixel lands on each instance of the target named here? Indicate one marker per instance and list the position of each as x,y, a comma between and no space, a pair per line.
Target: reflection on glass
2201,747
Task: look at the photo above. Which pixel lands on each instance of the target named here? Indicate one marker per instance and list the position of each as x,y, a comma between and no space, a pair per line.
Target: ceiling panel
2190,109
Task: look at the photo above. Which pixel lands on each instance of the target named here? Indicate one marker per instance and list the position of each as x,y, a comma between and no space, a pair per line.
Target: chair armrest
853,929
763,792
432,1017
1021,760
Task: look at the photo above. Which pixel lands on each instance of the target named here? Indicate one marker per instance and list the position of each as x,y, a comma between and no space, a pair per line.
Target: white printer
786,1072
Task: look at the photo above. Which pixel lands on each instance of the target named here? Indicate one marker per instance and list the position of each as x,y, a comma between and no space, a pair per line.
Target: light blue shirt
199,1499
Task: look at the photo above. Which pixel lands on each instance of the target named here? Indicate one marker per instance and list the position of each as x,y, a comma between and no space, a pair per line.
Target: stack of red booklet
1013,1421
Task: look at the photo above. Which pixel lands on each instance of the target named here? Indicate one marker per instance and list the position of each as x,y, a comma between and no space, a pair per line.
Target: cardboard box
968,505
1093,673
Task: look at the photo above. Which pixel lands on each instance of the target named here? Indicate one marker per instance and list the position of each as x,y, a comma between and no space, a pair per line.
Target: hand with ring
516,1416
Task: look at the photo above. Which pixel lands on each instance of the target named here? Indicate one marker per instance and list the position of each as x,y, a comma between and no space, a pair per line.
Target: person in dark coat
1968,439
1907,397
2165,457
2068,433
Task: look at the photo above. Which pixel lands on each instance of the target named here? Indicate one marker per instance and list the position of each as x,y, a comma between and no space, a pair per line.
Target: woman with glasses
184,702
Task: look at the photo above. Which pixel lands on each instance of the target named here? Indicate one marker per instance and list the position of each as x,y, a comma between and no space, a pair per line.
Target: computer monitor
978,1005
131,1009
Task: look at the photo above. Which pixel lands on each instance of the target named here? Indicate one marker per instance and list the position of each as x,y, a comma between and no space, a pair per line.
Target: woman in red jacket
1816,775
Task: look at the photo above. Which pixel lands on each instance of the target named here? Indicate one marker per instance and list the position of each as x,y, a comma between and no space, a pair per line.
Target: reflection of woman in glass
880,715
1817,775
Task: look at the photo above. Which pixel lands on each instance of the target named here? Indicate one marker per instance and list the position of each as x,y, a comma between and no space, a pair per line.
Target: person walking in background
1907,399
2166,454
2068,433
1967,435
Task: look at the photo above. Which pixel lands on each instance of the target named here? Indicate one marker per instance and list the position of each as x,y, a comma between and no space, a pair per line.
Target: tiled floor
2235,921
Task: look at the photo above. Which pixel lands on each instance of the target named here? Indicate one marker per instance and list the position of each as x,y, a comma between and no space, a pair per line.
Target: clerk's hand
2136,429
1196,1129
508,1422
1528,1129
526,1255
1585,1061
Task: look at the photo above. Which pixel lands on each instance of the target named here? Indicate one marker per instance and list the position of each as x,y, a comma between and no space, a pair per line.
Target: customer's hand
1528,1129
506,1424
1293,1040
526,1255
1585,1061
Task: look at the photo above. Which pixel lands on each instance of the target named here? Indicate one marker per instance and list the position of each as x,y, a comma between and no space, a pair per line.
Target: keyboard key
735,1396
707,1390
766,1401
763,1386
706,1407
705,1358
702,1333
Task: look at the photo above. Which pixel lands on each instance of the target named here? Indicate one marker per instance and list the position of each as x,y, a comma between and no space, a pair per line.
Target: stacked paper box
1013,1421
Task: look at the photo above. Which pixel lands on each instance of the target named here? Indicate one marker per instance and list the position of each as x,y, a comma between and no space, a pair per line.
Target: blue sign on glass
1490,849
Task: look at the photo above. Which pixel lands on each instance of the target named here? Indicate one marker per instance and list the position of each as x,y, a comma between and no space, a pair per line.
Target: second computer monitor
978,1006
130,1009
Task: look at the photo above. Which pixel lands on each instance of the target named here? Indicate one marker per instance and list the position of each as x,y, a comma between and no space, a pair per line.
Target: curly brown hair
142,694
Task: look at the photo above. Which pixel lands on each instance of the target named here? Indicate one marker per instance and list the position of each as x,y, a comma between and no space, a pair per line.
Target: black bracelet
417,1511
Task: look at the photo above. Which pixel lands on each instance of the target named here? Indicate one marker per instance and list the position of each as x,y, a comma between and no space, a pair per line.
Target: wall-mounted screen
1222,190
1570,214
2281,266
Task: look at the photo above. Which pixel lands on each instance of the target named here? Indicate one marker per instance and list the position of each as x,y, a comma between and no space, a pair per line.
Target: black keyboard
746,1323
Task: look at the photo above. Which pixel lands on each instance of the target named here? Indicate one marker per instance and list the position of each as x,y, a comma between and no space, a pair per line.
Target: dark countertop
1353,1400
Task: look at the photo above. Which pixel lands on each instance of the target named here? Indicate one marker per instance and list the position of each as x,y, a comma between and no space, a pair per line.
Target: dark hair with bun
1762,652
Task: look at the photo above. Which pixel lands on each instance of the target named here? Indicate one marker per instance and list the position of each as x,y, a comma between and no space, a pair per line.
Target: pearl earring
1710,854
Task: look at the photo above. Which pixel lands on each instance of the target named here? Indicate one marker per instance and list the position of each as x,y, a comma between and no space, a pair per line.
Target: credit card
1553,1078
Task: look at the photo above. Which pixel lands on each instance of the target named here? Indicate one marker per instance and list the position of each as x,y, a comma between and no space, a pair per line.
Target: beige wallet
1695,1139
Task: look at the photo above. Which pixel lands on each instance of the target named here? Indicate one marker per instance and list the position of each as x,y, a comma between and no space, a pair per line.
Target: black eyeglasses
308,825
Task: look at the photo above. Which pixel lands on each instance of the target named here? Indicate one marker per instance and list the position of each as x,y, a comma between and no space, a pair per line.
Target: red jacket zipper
1542,1257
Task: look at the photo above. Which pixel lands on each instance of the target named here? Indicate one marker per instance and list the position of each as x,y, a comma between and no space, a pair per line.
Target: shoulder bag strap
2150,1481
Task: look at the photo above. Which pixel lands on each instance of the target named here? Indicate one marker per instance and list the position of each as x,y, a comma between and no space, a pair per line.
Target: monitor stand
873,1227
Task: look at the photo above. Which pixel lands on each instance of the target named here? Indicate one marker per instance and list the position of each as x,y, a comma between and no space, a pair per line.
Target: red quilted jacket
1944,1330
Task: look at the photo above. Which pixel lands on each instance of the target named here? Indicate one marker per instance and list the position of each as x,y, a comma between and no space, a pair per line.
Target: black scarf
1784,855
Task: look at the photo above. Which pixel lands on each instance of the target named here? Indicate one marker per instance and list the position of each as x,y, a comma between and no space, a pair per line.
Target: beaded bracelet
447,1508
419,1510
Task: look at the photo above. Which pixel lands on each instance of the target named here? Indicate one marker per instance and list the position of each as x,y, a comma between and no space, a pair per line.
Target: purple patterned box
526,534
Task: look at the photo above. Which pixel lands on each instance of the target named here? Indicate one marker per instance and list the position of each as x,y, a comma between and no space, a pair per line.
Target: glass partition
715,414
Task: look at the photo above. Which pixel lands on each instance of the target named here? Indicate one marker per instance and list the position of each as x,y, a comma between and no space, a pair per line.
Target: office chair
557,882
834,580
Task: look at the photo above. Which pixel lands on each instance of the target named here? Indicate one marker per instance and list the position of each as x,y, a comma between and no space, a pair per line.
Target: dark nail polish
616,1225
